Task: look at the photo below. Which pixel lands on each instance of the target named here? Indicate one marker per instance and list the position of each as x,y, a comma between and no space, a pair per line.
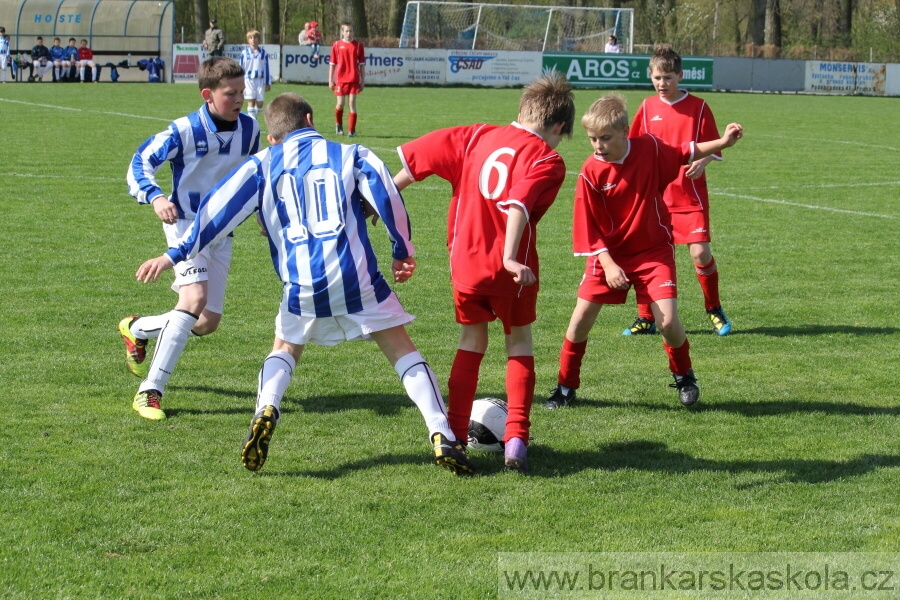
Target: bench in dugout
154,66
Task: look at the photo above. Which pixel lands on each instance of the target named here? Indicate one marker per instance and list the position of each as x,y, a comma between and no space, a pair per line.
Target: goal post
463,25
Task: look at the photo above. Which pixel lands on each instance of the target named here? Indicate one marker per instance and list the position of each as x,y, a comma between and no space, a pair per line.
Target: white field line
98,112
50,176
724,192
812,187
819,141
798,204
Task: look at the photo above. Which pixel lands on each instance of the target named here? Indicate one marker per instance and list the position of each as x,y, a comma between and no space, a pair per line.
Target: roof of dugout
141,27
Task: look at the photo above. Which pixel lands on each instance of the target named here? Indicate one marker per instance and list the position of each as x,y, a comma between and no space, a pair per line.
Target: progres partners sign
619,70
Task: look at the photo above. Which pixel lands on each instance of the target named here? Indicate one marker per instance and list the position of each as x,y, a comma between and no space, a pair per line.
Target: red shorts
345,89
472,309
690,227
652,280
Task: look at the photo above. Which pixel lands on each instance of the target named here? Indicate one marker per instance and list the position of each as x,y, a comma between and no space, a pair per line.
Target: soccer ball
487,425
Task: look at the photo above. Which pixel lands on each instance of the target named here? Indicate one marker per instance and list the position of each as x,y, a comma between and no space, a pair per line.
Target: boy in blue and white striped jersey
200,148
313,196
257,78
4,53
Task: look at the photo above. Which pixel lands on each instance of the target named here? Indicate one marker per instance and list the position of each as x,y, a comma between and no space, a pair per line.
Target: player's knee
668,324
701,254
207,323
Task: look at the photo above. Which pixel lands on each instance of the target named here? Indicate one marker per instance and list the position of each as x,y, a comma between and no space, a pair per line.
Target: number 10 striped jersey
309,193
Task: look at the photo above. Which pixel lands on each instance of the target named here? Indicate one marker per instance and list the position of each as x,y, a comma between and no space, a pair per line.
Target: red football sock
519,396
351,124
339,116
679,358
463,385
570,363
708,276
644,312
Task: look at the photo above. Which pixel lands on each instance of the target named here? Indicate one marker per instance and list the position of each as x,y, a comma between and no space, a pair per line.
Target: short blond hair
253,34
607,111
548,101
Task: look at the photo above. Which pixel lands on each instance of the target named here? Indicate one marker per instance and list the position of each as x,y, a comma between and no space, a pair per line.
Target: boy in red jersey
346,76
504,179
86,59
622,226
675,116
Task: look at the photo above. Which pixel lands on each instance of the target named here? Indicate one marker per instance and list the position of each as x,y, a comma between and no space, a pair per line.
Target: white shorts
211,265
331,331
255,89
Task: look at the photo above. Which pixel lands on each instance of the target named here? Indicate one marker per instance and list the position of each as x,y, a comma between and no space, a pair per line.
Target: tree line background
852,30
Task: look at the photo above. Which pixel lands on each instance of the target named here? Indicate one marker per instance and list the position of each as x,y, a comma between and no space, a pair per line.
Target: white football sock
148,328
274,379
172,340
422,388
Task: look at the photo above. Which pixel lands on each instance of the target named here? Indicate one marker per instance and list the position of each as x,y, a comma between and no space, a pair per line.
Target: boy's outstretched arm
733,133
402,179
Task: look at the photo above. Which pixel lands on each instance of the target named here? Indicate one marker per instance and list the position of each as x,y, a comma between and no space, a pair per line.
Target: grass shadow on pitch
766,408
363,464
804,330
654,456
381,404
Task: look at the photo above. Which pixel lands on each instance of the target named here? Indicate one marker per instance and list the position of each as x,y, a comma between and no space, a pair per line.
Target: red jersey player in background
623,228
346,76
504,179
675,116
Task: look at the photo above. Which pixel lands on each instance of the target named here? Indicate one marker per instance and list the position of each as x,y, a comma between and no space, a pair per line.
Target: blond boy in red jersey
622,226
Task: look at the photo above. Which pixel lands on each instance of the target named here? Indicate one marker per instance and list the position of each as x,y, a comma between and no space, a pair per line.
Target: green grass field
793,448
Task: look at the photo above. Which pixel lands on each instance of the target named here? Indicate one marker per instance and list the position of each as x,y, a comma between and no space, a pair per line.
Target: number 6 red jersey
490,168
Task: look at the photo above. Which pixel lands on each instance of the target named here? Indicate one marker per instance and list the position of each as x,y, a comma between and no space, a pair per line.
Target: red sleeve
587,238
360,53
671,160
438,153
637,125
708,129
538,190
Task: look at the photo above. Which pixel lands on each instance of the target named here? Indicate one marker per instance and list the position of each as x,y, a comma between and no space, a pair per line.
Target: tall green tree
845,23
773,23
398,12
271,21
201,18
358,18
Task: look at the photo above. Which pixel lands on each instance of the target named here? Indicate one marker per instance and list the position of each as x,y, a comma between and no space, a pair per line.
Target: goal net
463,25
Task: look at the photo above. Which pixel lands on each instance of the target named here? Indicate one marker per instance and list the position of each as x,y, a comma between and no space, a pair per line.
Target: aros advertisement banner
617,70
846,78
186,59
